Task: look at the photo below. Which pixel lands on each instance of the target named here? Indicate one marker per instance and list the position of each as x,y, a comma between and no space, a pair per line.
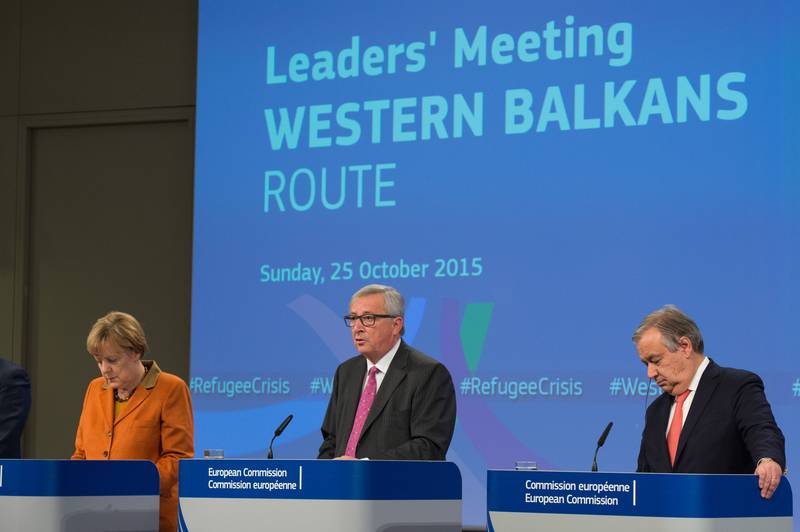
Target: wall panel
8,197
99,55
110,228
9,56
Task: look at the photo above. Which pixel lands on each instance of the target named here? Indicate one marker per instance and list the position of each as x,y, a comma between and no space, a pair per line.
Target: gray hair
392,299
673,324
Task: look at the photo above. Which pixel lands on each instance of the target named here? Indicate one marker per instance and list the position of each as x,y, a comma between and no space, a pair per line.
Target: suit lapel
662,418
139,397
705,390
107,405
394,376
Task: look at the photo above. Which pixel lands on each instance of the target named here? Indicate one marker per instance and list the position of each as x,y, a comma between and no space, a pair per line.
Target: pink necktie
674,434
367,398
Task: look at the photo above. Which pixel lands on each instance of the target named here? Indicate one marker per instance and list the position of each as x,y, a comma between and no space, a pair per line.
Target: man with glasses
390,402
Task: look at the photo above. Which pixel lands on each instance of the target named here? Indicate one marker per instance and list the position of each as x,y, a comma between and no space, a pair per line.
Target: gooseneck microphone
278,432
600,443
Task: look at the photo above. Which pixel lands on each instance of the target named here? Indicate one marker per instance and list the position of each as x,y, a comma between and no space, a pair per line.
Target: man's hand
769,476
345,457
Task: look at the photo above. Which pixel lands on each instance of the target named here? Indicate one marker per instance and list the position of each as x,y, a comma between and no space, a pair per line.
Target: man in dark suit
390,402
15,403
709,419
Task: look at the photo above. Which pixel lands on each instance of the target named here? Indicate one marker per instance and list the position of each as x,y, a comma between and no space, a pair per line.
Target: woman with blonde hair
135,411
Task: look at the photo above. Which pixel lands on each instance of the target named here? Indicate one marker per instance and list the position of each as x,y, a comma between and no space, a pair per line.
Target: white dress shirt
382,365
692,388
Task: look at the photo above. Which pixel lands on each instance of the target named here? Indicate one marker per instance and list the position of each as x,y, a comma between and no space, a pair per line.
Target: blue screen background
558,241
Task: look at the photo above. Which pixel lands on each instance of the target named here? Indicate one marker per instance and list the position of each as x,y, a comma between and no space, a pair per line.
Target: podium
329,495
78,495
633,502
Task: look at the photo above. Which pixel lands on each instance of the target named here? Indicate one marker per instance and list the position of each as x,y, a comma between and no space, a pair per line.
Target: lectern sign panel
311,479
526,498
84,495
336,496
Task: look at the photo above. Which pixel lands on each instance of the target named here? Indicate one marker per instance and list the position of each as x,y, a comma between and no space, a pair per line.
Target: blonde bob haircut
120,329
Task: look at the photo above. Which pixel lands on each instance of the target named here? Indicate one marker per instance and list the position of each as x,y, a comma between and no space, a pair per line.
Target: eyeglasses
367,320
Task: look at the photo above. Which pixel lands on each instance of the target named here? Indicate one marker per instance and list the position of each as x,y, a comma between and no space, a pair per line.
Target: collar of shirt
383,365
698,374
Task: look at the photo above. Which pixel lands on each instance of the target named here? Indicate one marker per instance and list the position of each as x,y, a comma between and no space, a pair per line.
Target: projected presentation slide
534,177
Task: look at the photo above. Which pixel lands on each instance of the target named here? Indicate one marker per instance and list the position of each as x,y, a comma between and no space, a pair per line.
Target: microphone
600,443
278,432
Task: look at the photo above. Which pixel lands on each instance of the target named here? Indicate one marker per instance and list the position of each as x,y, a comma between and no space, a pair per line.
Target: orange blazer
156,425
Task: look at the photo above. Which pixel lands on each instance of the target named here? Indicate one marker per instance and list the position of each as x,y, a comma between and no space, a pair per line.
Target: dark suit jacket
15,403
413,415
729,428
